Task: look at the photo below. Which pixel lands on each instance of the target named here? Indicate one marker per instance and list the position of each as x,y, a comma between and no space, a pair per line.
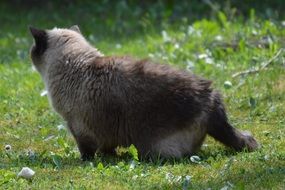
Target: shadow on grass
45,160
255,174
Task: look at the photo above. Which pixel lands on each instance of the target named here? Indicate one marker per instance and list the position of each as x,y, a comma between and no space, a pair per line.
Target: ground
214,41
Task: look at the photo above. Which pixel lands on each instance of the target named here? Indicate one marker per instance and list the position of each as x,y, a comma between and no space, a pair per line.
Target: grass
212,43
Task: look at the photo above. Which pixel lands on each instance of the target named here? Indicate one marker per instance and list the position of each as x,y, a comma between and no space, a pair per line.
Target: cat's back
148,71
140,87
133,78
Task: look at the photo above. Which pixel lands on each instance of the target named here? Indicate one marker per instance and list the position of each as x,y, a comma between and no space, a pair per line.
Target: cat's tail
219,128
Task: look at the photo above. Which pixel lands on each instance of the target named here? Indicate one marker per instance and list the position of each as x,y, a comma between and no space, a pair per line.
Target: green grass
212,43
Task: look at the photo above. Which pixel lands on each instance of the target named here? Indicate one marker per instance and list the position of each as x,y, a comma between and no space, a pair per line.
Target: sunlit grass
214,48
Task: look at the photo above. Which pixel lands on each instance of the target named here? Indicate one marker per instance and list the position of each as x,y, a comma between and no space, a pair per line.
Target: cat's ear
40,37
38,34
75,28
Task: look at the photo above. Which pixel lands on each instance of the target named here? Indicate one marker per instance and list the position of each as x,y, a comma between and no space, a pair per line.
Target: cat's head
52,44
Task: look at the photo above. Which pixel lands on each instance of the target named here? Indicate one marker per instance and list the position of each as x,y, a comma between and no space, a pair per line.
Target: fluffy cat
112,101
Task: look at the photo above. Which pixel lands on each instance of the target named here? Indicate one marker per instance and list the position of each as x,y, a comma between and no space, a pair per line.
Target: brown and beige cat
110,101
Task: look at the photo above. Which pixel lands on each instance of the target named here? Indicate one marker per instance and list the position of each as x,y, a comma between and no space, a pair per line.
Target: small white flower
228,84
187,177
202,56
218,65
44,93
34,68
164,58
176,46
132,165
254,32
266,157
195,159
8,147
135,177
169,176
191,30
190,65
26,173
219,38
91,164
165,36
60,127
209,60
118,46
205,145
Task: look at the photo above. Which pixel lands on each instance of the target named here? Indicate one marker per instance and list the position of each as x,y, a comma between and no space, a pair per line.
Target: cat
110,101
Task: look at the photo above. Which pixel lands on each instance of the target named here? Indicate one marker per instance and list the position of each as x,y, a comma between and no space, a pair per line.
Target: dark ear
40,37
75,28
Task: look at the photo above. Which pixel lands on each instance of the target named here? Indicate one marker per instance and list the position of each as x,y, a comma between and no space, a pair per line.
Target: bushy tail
219,128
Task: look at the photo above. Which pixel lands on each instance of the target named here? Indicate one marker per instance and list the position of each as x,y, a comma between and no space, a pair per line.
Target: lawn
214,40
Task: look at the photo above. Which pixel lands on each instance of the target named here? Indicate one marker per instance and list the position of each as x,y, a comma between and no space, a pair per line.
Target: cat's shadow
65,162
114,160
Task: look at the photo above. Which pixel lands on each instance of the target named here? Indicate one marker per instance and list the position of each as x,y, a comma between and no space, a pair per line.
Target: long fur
119,101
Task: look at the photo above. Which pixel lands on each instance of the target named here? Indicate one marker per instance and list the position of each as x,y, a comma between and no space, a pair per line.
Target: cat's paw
87,157
250,143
